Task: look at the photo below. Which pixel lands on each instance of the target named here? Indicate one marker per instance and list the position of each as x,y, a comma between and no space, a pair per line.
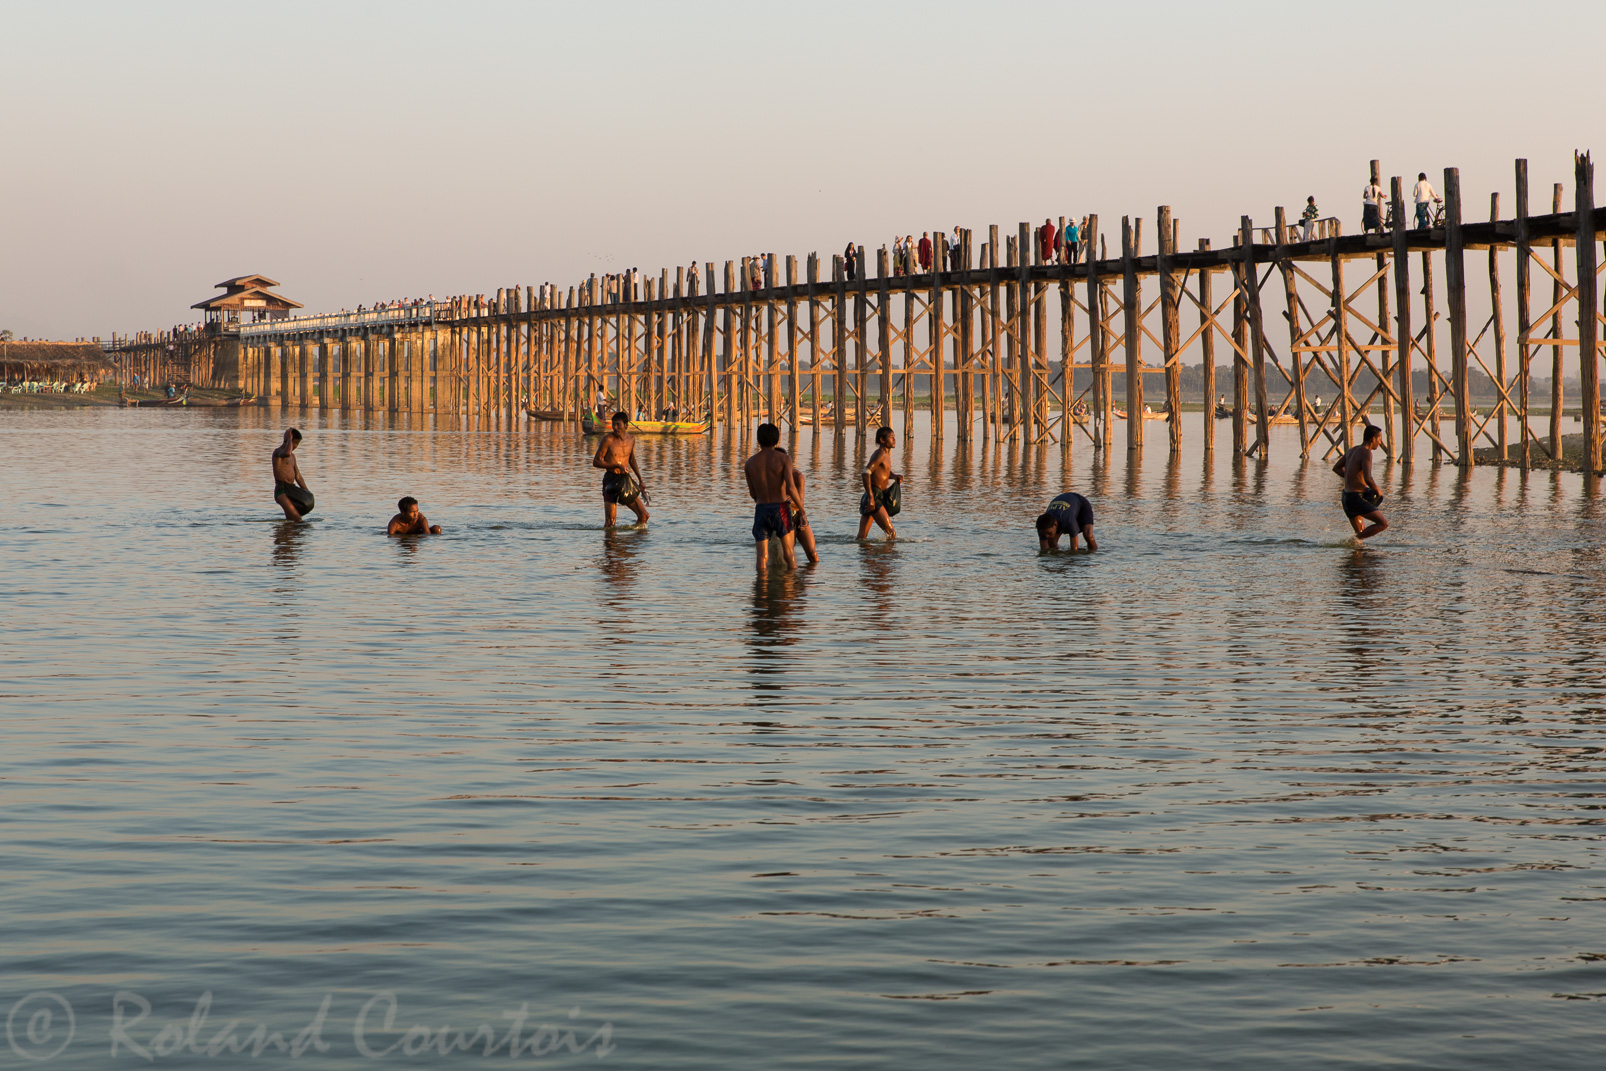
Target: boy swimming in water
408,521
1069,515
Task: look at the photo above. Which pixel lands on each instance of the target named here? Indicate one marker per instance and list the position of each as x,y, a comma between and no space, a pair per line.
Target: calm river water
1230,793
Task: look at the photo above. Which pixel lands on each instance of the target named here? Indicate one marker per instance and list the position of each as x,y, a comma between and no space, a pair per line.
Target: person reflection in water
1069,515
1361,497
409,521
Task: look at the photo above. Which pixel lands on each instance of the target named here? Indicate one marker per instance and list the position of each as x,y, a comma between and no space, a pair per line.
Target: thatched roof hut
70,362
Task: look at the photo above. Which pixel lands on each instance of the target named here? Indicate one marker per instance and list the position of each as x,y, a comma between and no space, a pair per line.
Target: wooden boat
1120,414
544,414
1223,413
590,426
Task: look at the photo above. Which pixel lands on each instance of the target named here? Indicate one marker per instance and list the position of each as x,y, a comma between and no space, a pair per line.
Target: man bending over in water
1069,515
1361,495
289,488
769,481
617,454
878,481
408,521
800,519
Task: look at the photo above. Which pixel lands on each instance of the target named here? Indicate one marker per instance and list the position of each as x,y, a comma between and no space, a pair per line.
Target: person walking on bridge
850,262
1307,218
1372,208
1422,193
1046,234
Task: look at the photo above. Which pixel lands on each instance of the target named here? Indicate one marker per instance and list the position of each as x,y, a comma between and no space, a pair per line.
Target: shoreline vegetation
107,396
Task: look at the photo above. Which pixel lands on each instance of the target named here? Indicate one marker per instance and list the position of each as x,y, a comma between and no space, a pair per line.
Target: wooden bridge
998,330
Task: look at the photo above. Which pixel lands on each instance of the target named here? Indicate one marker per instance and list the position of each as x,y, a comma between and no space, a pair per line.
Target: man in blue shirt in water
1069,515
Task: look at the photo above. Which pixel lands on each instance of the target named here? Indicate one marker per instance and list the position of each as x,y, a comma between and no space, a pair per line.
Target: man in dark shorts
1069,515
875,503
617,455
290,489
769,478
1362,497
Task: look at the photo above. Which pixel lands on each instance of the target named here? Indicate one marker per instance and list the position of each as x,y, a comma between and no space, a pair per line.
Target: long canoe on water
590,426
544,414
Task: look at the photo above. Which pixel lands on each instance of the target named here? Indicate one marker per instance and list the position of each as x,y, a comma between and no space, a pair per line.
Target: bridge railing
424,312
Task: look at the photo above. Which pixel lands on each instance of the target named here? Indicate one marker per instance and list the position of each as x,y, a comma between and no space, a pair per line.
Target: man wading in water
1361,495
769,481
878,487
617,454
289,489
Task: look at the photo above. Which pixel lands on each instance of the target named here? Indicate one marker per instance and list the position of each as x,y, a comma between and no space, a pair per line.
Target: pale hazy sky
363,151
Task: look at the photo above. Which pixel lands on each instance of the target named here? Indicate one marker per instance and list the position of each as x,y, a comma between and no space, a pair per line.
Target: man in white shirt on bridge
1425,199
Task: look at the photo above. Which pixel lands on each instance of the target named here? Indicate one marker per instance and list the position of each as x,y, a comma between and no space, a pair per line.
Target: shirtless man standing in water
290,490
617,454
769,481
878,479
1361,495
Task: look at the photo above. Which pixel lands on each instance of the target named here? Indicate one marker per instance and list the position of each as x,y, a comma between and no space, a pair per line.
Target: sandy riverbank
107,395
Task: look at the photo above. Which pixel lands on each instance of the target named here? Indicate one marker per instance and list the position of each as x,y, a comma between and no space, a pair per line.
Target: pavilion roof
245,282
250,298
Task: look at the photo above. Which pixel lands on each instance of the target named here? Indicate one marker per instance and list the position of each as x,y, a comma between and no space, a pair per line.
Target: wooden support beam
1524,323
994,322
841,331
1240,364
883,334
1588,324
1403,338
1207,353
861,343
1132,313
1295,359
1170,326
1557,292
937,336
1346,400
812,282
1257,337
729,347
1498,321
1455,283
1435,381
1022,322
772,365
